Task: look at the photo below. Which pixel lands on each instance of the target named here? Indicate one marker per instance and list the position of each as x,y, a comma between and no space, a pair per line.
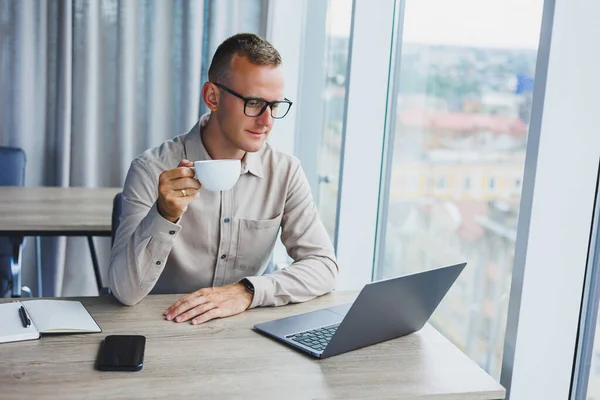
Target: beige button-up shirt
225,236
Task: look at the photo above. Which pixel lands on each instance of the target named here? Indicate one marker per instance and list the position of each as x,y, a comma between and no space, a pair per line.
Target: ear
211,96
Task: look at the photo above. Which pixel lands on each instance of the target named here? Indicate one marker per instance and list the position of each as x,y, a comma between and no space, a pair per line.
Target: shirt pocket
256,240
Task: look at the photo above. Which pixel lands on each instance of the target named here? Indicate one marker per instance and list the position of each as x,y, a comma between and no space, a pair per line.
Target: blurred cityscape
460,131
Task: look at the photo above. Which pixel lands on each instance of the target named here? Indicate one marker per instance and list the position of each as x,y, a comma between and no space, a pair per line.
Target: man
175,237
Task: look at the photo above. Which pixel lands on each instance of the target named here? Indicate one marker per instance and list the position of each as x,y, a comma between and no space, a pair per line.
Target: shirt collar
252,163
195,150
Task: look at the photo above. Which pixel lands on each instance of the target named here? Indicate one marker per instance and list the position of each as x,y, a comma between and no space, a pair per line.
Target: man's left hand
210,303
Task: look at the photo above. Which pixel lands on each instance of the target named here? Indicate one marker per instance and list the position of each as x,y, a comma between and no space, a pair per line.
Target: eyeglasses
254,107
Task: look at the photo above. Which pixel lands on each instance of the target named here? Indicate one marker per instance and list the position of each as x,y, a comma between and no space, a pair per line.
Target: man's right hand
177,188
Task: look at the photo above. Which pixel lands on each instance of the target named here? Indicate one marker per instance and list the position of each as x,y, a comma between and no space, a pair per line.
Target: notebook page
11,327
60,316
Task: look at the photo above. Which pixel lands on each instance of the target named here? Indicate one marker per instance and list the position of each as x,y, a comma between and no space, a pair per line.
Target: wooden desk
225,359
57,211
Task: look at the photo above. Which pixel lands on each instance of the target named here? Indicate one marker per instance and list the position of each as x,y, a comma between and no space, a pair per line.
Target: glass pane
462,101
587,366
593,390
339,13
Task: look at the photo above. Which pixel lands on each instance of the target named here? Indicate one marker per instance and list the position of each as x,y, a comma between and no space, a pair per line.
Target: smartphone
121,353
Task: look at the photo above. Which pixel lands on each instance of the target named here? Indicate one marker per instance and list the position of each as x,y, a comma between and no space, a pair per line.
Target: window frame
529,369
363,154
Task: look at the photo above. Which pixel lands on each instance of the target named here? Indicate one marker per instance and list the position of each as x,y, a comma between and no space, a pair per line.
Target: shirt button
223,257
158,263
171,232
226,220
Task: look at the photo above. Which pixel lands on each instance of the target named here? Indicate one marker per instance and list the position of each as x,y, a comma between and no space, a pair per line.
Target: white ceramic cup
216,175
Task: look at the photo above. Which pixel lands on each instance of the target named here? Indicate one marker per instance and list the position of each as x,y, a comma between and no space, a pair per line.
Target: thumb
185,163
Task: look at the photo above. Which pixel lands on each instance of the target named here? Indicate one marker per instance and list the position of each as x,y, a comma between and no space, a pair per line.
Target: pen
24,319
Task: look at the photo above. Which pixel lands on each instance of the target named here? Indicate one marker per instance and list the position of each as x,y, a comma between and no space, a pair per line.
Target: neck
216,144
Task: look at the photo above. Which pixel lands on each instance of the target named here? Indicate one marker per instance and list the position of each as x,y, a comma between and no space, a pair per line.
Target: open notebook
46,316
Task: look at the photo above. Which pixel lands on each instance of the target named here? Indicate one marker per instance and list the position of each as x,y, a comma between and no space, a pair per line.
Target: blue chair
116,215
12,173
115,219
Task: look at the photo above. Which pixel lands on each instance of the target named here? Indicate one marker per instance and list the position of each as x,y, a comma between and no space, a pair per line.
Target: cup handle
194,169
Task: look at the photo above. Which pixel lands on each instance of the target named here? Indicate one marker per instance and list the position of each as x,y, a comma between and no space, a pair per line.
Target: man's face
249,80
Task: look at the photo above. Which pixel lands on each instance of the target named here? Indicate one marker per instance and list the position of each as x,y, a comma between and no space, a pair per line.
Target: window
441,182
587,366
338,19
462,104
467,185
330,104
593,389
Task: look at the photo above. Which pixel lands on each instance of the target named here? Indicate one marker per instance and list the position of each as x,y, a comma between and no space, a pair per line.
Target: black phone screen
121,353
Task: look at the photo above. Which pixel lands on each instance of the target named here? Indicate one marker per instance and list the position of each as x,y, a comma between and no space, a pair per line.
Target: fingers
189,301
176,190
196,312
176,173
187,194
202,305
186,163
184,304
183,183
207,316
179,178
210,303
170,312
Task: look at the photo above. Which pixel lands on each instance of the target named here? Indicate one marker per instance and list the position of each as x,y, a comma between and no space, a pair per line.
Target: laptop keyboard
316,339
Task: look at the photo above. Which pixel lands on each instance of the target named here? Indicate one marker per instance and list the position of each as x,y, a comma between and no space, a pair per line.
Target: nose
265,119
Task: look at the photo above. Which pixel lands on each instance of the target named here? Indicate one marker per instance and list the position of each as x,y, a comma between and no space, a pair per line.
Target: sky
479,23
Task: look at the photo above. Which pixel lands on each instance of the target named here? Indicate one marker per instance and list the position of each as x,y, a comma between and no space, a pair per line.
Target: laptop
383,310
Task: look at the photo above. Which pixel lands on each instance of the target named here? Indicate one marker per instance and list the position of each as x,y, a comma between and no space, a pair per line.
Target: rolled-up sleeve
314,270
143,240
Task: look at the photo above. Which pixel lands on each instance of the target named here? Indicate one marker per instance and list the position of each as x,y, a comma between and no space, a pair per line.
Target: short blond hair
256,49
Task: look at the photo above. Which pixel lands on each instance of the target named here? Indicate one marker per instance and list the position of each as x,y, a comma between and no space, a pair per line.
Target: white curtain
89,84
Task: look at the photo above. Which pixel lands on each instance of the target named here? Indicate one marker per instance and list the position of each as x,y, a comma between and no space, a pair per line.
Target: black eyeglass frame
269,104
